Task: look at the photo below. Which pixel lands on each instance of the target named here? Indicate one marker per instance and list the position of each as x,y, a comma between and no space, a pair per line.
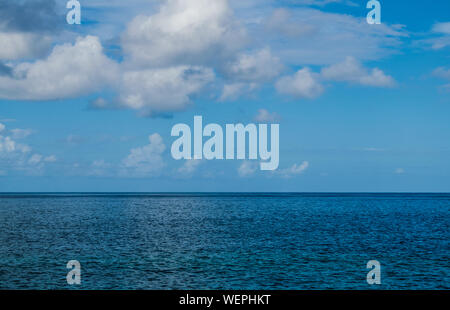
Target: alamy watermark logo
374,16
74,275
235,138
74,15
374,275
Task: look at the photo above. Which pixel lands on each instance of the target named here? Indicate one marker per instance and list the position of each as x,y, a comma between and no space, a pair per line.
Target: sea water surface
224,241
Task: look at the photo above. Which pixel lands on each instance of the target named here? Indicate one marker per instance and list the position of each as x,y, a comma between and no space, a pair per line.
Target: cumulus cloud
35,159
17,45
36,163
50,159
264,116
399,171
248,71
69,71
8,145
303,84
189,167
187,40
82,68
296,169
16,156
234,91
145,161
442,72
308,84
26,27
183,32
350,70
247,168
259,66
171,55
164,89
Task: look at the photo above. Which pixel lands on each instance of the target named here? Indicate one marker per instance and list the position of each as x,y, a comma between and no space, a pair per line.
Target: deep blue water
224,241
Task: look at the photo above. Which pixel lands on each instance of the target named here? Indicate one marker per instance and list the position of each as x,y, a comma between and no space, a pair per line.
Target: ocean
224,241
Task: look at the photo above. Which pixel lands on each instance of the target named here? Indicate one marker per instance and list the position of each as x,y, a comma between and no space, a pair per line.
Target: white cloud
296,169
265,116
69,71
443,73
232,91
259,66
19,45
307,84
183,32
7,145
248,72
15,156
35,159
350,70
174,51
50,159
20,133
189,167
36,164
99,168
247,168
161,90
82,68
303,84
145,161
443,28
186,39
399,171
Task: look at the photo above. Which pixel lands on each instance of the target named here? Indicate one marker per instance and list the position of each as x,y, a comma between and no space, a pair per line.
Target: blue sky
361,107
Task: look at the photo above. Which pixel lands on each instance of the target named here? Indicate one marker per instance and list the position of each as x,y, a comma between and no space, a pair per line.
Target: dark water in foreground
225,241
